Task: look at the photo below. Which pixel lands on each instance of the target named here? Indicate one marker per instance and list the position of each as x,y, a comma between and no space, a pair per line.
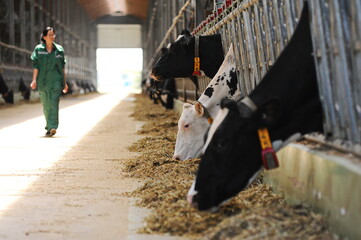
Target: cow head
176,60
191,128
232,153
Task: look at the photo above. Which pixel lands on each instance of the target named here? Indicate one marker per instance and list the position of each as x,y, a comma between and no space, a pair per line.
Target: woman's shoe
52,132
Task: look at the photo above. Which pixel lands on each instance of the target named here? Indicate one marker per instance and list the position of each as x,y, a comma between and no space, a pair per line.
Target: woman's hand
33,84
65,90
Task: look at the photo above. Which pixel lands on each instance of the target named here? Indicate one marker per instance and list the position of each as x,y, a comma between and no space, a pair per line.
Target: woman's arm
65,90
35,75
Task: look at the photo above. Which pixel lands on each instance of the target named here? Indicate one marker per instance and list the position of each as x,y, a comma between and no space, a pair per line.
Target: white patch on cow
179,37
191,192
217,121
189,141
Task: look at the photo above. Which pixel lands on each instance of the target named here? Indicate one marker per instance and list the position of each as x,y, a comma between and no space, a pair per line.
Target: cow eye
186,126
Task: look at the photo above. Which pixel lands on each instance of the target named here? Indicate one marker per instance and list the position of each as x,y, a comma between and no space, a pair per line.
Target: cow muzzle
190,196
154,75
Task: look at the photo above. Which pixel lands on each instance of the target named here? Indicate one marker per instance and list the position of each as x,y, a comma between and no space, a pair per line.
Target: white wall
119,36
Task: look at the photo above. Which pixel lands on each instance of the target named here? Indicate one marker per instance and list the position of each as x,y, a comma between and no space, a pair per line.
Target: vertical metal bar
198,14
243,52
283,29
236,50
32,23
251,50
11,29
173,14
320,38
356,42
259,44
343,77
277,27
268,26
22,23
224,39
290,18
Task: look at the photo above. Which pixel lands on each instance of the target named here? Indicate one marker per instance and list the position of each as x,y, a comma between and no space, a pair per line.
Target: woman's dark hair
45,33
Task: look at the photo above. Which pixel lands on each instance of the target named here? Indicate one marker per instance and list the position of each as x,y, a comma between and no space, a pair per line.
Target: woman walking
49,76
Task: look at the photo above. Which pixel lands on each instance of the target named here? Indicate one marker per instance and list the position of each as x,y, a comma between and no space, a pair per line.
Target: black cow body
287,102
163,92
178,60
7,94
24,89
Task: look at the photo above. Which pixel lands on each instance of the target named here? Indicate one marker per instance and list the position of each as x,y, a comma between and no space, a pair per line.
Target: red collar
269,157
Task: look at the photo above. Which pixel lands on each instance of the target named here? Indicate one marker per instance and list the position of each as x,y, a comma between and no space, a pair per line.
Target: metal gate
260,29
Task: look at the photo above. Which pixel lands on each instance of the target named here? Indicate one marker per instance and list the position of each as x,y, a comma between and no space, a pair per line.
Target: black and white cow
177,60
286,102
195,119
162,92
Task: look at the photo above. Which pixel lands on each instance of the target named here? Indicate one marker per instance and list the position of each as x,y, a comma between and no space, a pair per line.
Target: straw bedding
255,213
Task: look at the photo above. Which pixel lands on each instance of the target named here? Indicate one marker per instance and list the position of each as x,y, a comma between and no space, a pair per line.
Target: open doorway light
119,69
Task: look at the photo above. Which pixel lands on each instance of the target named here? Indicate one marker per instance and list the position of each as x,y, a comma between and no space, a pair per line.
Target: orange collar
197,60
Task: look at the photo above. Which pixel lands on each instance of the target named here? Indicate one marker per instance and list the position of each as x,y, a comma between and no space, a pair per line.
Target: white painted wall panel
119,36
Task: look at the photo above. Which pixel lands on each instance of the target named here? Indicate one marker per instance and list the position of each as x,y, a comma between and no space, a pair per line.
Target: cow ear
226,102
185,32
164,50
199,109
269,112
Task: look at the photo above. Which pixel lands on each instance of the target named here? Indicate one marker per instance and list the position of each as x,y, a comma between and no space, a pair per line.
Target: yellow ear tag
197,66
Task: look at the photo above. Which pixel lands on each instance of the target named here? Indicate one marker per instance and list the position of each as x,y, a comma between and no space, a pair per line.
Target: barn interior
87,25
111,45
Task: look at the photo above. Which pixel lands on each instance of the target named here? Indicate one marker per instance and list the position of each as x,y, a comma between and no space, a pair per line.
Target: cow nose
176,157
192,200
192,196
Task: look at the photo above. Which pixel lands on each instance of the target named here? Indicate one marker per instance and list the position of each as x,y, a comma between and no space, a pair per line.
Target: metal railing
260,29
21,22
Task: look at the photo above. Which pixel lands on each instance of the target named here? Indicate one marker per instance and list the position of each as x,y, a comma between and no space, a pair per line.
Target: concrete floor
69,186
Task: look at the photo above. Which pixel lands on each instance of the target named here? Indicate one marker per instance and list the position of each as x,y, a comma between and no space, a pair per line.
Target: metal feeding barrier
22,21
260,29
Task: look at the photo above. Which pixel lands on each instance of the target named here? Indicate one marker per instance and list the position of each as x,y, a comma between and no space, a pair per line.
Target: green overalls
50,80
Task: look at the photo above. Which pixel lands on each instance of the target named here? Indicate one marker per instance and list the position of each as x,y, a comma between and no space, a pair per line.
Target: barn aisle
68,186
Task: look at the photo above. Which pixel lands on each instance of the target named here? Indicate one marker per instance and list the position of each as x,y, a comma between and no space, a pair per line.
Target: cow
196,118
177,61
162,92
24,89
167,93
7,94
286,102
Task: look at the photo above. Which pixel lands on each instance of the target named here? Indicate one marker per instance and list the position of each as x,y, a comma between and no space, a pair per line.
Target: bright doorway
119,69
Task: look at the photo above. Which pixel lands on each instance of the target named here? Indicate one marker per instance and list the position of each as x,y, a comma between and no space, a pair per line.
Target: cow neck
269,157
296,86
206,113
197,61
